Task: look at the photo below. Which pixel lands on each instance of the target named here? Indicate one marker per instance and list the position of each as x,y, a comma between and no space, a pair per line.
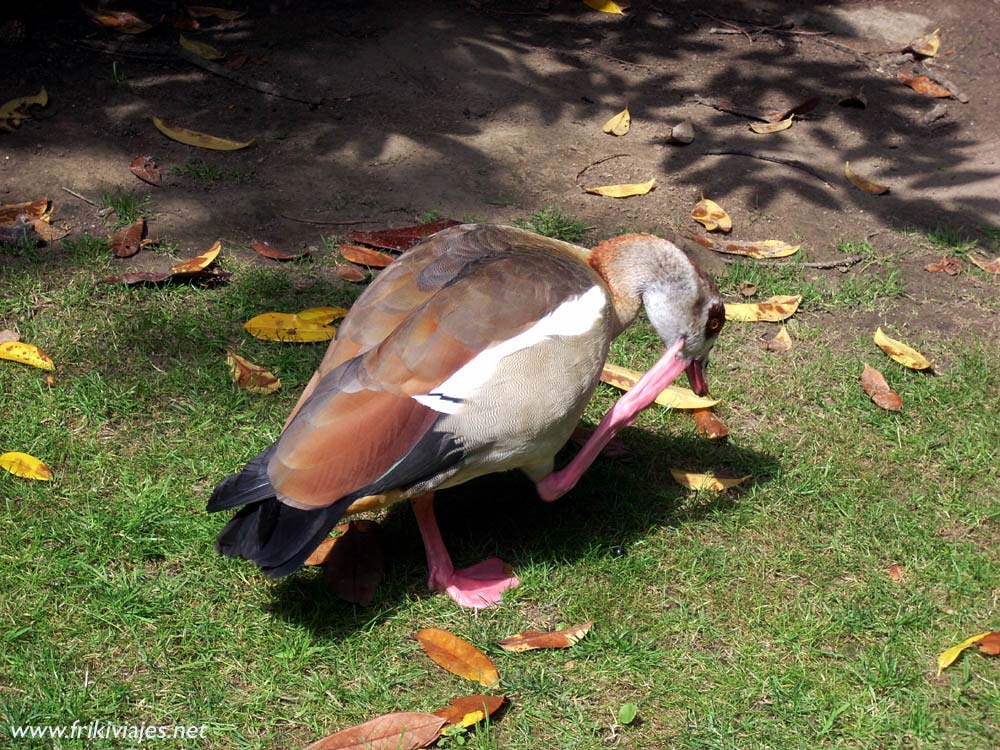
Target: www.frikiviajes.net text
100,730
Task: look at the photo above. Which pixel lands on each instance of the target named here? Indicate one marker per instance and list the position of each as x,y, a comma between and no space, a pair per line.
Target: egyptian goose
474,352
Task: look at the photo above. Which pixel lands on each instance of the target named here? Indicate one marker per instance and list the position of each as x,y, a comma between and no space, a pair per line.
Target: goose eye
714,325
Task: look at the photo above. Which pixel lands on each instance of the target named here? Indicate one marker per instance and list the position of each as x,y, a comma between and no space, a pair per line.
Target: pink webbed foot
478,586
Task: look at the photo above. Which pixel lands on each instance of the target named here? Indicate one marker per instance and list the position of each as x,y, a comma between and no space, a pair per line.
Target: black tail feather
249,486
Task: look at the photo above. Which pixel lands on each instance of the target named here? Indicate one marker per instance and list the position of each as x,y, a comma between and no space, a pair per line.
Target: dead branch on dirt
262,86
936,76
81,197
618,60
843,263
794,163
325,222
594,164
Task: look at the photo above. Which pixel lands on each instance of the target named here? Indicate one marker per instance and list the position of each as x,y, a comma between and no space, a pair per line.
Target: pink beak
696,377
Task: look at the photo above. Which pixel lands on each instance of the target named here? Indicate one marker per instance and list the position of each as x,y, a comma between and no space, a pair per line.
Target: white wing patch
574,317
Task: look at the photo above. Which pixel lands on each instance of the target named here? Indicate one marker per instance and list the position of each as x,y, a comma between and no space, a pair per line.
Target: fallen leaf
895,572
627,713
615,448
201,140
322,315
251,377
354,565
201,49
531,640
262,248
771,127
13,112
683,132
772,310
619,124
950,266
878,389
747,289
406,730
900,352
144,167
470,709
926,45
711,215
947,658
923,85
365,256
605,6
990,266
48,232
759,249
124,21
205,11
457,656
199,262
708,425
799,109
7,336
349,272
781,342
622,191
27,354
990,644
274,326
673,396
861,183
693,481
40,209
318,556
25,466
127,240
403,238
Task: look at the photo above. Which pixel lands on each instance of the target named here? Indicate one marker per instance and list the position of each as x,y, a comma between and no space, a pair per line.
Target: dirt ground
490,110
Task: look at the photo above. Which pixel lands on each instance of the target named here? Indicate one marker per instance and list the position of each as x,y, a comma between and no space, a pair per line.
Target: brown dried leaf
531,640
950,266
365,256
709,426
403,238
198,263
924,85
711,215
747,289
46,231
470,709
262,248
457,656
861,183
990,266
878,389
319,555
354,565
781,342
251,377
349,272
990,644
39,209
406,730
801,108
127,241
124,21
895,572
144,167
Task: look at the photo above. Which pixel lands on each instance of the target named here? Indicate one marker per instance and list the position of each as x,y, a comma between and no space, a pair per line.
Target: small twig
595,163
940,79
324,222
262,86
794,163
84,199
616,59
842,263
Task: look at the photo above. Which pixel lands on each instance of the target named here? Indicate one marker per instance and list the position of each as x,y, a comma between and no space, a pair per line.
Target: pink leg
622,414
478,586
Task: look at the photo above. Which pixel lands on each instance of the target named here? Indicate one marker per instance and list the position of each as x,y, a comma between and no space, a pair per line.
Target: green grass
552,222
760,618
200,170
126,205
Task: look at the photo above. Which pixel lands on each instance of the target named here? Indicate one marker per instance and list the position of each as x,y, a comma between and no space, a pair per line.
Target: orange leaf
470,709
878,389
251,377
990,644
711,215
895,572
457,656
29,209
144,167
349,272
365,256
991,266
319,555
861,183
198,263
403,238
950,266
530,640
262,248
407,730
781,342
709,426
354,565
127,241
924,85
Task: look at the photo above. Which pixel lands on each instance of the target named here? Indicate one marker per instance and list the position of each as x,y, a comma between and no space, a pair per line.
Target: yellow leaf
990,266
27,354
201,140
900,352
946,658
205,11
762,249
861,183
619,124
203,50
23,465
771,127
605,6
198,263
926,45
771,310
781,342
706,481
275,326
16,110
711,215
251,377
673,396
40,209
322,315
623,191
